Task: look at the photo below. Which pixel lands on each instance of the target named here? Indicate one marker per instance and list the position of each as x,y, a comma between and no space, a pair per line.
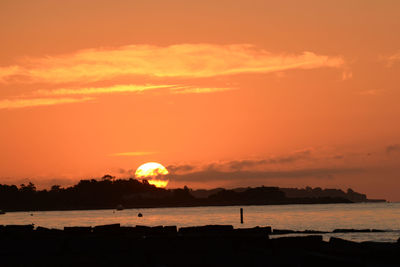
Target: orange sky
223,93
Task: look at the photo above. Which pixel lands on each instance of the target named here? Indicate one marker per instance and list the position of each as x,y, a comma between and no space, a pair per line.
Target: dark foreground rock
212,245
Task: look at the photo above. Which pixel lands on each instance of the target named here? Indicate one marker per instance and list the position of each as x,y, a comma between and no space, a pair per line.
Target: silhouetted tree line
109,192
293,193
258,195
318,192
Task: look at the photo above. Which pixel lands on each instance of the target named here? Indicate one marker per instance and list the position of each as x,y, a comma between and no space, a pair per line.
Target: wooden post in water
241,215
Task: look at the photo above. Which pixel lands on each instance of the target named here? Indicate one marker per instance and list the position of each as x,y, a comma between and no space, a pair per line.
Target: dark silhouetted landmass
109,192
211,245
301,193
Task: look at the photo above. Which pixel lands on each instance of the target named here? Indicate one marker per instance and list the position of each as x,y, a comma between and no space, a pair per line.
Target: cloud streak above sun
85,73
132,88
181,60
36,102
123,88
52,97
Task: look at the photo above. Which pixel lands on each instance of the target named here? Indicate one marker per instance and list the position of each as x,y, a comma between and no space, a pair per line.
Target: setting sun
154,173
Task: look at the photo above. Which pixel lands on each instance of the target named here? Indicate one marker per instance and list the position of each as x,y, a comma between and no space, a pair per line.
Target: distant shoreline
193,206
110,193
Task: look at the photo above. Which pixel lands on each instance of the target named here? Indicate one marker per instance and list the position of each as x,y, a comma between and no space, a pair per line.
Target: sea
320,217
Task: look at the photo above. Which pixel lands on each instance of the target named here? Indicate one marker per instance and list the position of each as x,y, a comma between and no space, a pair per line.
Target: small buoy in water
140,215
31,214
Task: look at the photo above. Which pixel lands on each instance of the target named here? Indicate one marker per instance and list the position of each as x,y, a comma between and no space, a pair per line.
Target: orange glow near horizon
159,183
153,172
224,93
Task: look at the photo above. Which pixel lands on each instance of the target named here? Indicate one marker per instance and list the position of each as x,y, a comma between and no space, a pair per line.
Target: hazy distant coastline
108,193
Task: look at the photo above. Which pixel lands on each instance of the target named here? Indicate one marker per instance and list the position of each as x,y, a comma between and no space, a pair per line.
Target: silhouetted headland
210,245
110,193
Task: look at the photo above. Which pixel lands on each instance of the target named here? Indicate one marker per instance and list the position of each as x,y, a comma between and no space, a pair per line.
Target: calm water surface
324,217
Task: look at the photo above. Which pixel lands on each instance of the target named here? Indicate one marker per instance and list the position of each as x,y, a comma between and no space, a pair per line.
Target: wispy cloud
347,75
52,97
82,69
10,72
393,149
245,164
370,92
122,88
35,102
216,175
391,60
286,159
299,164
132,154
182,60
199,90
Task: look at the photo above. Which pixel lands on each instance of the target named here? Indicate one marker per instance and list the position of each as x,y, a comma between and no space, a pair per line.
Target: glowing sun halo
154,173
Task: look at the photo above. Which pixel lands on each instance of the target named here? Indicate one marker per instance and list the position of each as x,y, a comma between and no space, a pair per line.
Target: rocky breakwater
211,245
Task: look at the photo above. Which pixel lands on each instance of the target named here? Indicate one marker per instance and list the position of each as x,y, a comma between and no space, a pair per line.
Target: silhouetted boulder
142,229
255,231
207,229
379,246
155,230
267,229
47,231
170,229
77,229
282,231
108,228
18,228
42,229
131,231
344,245
300,242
